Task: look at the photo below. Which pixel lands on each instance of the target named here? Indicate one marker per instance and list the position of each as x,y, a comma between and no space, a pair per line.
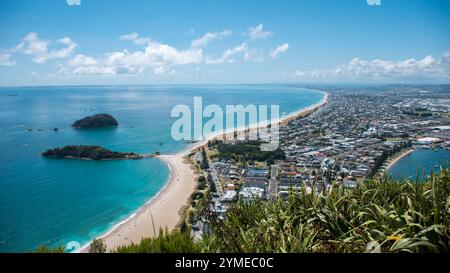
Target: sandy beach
397,158
163,211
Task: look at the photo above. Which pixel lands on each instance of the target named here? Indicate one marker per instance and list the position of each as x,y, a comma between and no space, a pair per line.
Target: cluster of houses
240,182
255,185
344,142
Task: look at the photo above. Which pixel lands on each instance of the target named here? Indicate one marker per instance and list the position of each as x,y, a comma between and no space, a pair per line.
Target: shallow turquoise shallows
51,202
419,164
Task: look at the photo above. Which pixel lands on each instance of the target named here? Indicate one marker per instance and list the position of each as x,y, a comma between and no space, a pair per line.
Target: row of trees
386,154
204,165
249,151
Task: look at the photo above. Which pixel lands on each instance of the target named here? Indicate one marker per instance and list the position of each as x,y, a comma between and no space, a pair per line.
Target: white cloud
129,37
34,75
377,69
300,73
209,37
32,45
227,56
158,57
73,2
94,70
39,49
381,68
258,32
135,38
253,55
82,60
279,50
5,60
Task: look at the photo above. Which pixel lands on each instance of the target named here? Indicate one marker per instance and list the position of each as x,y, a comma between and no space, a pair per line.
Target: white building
251,193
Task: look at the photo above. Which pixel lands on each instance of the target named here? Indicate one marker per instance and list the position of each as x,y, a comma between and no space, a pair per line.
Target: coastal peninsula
88,153
96,121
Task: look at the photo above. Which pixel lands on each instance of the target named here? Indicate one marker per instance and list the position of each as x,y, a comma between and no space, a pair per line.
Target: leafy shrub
97,246
165,242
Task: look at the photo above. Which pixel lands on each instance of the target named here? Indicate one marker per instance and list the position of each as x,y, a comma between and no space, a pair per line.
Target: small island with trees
88,153
96,121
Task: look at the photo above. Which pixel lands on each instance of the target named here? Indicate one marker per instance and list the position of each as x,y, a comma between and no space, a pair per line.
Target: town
353,137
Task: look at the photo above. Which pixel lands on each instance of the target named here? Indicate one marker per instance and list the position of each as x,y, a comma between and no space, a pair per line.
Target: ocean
419,164
52,202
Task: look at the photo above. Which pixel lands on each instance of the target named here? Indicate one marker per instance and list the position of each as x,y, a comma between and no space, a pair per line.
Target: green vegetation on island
88,152
96,121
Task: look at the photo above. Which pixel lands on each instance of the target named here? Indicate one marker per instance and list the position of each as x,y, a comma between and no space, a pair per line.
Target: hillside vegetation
378,216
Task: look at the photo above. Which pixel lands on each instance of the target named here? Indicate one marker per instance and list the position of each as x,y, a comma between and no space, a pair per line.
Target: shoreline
164,210
303,112
395,159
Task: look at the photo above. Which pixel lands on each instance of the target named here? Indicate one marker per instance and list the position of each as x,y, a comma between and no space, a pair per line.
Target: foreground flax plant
392,216
378,216
165,242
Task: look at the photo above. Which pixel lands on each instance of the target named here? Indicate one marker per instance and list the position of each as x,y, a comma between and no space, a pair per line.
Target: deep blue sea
51,202
419,164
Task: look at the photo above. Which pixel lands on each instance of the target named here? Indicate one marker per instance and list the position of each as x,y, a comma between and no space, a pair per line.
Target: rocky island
96,121
88,153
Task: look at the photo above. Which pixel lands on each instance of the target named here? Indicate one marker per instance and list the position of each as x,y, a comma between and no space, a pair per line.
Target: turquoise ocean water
51,202
419,164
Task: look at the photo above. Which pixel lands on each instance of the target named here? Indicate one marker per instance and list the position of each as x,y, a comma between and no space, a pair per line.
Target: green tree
97,246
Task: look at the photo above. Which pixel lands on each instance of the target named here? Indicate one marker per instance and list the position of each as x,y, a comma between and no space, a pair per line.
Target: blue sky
193,41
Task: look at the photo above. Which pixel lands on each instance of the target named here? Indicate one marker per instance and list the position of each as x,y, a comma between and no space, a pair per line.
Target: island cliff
96,121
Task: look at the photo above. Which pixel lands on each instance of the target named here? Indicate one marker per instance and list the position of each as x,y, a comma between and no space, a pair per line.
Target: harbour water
51,202
419,164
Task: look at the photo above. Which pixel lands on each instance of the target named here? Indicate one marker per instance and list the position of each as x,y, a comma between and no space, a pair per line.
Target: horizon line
230,84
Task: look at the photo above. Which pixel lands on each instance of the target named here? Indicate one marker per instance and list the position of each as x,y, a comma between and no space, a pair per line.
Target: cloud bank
358,69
